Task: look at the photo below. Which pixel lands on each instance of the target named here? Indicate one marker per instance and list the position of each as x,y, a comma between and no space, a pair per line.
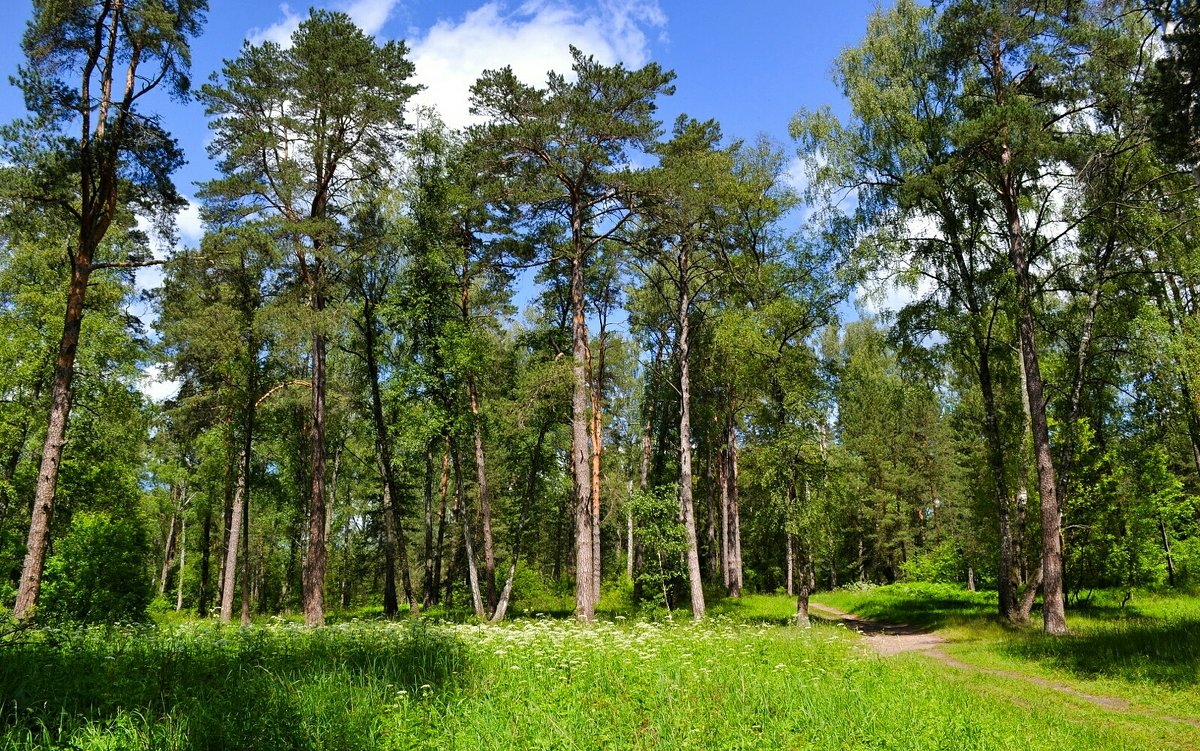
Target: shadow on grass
924,606
1133,649
229,688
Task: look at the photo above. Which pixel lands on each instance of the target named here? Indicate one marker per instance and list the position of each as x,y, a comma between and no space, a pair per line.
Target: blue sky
749,65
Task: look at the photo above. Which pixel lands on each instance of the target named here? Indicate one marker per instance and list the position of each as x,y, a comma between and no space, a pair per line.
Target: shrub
98,573
943,564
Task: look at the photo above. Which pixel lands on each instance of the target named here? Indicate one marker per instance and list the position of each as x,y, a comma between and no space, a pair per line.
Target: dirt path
889,639
885,638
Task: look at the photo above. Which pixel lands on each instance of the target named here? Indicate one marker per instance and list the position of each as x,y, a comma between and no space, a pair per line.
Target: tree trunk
485,506
1053,610
710,527
56,436
229,584
439,550
527,502
734,552
1166,542
315,560
169,546
205,562
687,512
461,512
182,564
232,464
789,560
394,539
246,579
586,594
429,581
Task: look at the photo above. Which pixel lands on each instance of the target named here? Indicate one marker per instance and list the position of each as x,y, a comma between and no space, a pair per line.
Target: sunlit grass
736,681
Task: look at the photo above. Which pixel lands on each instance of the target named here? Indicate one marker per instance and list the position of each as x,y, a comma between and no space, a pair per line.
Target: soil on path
889,639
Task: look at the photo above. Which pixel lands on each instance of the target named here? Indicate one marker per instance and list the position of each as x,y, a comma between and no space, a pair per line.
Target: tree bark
315,561
205,563
460,511
56,436
527,502
182,564
395,543
687,511
1053,605
586,594
734,552
485,505
444,491
1166,543
229,583
169,545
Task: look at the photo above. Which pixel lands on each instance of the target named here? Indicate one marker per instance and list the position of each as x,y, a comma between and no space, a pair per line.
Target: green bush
942,564
98,573
1186,554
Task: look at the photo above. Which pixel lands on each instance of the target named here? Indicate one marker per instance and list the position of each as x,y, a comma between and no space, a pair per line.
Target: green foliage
99,572
943,564
657,525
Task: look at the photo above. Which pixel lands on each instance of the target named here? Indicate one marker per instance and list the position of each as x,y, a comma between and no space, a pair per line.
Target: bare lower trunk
56,437
231,552
687,511
485,506
1053,606
802,618
169,548
429,581
182,564
395,543
734,555
726,521
314,562
527,502
1166,542
444,495
461,512
596,429
1006,577
246,579
586,593
788,565
205,563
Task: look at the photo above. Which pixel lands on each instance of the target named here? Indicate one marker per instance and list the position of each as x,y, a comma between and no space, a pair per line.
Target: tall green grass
729,683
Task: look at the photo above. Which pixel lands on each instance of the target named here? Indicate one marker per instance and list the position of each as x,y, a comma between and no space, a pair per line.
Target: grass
1146,653
740,680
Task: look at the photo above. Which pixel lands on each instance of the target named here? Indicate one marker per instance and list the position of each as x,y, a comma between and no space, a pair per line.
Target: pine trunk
56,437
687,511
586,594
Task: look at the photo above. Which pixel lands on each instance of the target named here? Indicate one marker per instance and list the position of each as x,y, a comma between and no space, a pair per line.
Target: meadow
740,680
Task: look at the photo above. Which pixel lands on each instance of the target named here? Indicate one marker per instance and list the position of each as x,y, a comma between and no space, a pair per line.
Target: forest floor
930,669
1135,670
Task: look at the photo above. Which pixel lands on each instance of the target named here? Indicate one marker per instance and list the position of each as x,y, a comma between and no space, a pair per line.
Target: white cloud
279,32
532,38
370,15
188,223
156,386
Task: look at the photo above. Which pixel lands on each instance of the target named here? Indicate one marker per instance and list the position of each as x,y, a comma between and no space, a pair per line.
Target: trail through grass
1140,662
741,680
